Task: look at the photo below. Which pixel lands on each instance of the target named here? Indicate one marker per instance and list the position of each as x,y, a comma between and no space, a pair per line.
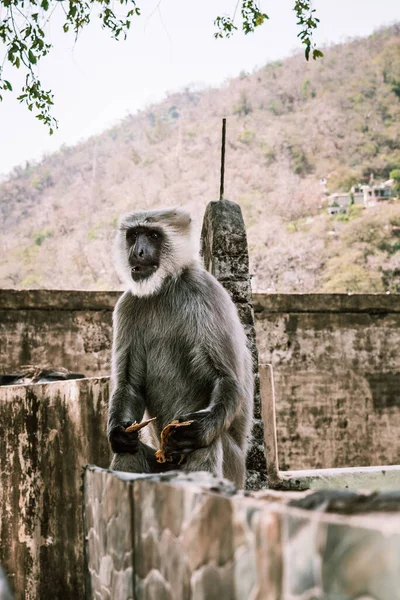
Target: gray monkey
179,352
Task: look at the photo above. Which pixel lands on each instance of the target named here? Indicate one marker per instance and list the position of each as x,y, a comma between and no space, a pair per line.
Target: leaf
32,58
317,54
7,85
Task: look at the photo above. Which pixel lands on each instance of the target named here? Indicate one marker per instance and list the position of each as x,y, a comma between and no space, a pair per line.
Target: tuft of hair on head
178,251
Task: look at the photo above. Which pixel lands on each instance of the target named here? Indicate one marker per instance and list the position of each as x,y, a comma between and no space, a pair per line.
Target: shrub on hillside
342,179
246,137
342,275
299,160
243,107
395,174
40,236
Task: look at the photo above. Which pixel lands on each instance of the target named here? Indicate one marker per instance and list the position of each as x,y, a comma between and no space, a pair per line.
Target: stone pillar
225,254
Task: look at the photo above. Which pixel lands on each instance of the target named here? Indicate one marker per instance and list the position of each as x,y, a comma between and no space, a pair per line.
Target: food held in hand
162,454
136,426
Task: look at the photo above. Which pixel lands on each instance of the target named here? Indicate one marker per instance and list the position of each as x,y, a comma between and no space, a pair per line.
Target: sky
98,81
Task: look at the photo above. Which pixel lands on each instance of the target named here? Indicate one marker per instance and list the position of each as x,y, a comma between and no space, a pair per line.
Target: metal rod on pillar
221,189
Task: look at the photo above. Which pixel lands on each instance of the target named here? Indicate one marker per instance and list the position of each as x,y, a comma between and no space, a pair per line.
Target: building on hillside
357,193
338,203
378,193
368,195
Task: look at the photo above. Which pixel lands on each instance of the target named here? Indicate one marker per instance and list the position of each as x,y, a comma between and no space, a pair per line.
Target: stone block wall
48,433
225,255
177,537
336,360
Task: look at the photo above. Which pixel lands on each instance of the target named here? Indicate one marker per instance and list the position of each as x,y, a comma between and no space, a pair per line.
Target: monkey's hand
186,439
122,441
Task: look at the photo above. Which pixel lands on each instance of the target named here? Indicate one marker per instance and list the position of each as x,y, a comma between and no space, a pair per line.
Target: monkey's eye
131,236
154,235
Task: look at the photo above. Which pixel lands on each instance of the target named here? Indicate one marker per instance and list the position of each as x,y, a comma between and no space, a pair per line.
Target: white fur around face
178,251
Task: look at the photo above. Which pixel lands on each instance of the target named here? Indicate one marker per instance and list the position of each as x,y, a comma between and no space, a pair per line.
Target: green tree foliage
343,178
395,174
243,107
252,17
40,236
24,31
308,22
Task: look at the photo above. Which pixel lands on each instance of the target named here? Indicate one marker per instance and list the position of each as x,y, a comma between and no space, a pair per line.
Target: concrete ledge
57,300
106,300
325,303
357,478
194,539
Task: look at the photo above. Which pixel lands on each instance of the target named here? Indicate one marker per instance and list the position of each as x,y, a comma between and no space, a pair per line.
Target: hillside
290,124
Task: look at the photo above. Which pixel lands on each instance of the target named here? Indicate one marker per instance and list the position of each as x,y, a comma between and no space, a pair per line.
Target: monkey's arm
210,422
225,398
127,402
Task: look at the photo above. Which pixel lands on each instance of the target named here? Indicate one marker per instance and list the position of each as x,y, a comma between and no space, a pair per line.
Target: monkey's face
144,251
153,245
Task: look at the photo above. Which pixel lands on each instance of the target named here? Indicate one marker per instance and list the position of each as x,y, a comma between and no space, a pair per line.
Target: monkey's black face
144,249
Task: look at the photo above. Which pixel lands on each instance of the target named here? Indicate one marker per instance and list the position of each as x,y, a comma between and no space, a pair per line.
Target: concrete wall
192,538
336,361
48,433
59,328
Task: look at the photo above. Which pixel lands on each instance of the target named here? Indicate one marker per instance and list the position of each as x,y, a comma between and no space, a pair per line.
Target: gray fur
179,347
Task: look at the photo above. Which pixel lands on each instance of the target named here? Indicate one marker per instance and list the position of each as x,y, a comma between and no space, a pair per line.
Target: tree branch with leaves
252,17
24,33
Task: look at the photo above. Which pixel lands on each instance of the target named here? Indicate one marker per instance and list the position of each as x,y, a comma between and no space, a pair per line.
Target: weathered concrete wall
59,328
336,362
48,433
192,538
225,254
